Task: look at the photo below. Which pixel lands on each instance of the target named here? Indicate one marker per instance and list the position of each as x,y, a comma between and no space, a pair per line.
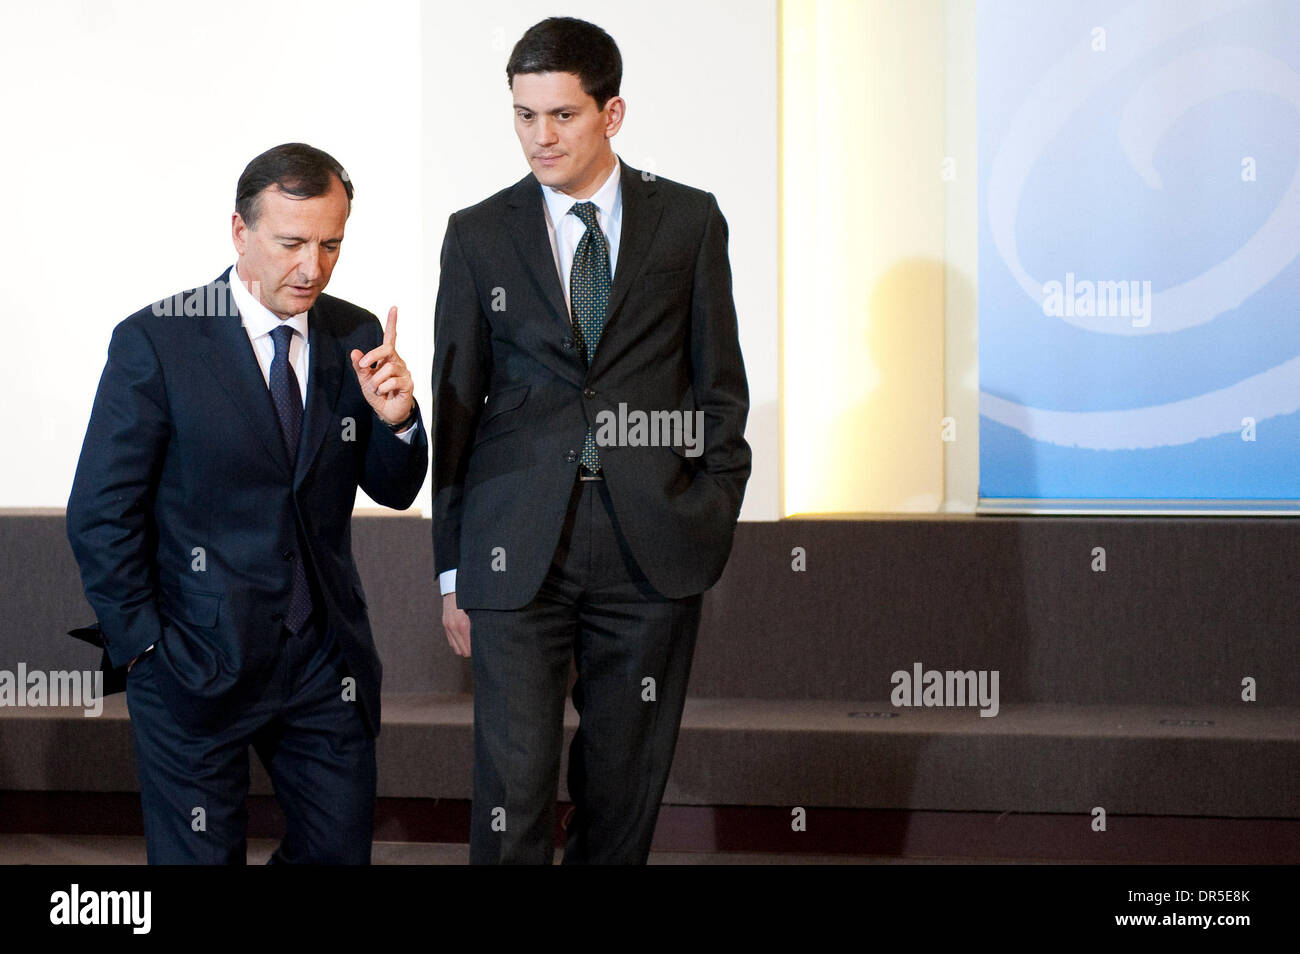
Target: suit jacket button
288,554
571,457
568,344
277,617
589,394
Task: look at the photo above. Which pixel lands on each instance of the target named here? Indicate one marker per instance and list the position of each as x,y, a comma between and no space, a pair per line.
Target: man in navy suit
210,516
589,459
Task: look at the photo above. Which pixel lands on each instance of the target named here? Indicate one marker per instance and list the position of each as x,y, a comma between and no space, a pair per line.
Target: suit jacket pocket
497,419
195,661
661,281
192,606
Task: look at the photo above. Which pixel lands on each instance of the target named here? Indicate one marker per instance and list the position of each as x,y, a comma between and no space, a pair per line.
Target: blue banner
1139,277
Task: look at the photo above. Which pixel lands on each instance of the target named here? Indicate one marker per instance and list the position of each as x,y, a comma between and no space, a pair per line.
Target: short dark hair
294,168
569,45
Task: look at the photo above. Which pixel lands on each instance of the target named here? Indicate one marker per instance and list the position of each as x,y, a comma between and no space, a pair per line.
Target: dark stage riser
1119,688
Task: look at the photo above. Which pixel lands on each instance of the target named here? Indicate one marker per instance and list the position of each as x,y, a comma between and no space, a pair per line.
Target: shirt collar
257,318
558,203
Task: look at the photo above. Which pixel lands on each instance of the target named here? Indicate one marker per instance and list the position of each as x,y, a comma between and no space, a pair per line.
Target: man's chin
549,176
291,305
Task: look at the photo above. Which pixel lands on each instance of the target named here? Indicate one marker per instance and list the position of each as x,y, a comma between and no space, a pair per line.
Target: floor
126,850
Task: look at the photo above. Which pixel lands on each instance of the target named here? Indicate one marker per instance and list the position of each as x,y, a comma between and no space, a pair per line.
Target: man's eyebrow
557,109
299,238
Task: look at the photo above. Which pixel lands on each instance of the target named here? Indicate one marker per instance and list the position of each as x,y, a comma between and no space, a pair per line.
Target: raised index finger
390,329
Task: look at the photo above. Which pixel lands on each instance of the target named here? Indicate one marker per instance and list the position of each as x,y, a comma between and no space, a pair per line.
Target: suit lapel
324,376
527,226
526,219
229,355
642,209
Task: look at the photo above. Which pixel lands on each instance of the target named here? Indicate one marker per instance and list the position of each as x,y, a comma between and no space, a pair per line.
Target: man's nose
546,131
311,264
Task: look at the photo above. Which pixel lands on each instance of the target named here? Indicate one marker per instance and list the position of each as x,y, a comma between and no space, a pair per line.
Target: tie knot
281,337
586,212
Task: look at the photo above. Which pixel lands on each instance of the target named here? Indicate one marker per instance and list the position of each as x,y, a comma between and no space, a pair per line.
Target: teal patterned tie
588,298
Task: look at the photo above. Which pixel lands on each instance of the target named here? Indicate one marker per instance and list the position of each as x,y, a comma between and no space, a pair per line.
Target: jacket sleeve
462,361
394,469
110,511
717,367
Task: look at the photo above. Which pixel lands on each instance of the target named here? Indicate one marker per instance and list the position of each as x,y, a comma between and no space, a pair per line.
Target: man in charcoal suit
589,459
210,516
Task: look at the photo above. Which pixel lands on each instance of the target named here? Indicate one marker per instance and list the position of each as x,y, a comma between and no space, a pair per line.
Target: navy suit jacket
185,514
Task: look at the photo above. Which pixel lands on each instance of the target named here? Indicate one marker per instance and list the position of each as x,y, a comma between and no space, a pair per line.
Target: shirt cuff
408,435
447,581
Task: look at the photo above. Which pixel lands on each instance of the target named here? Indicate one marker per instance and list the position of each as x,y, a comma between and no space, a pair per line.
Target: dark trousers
633,651
314,744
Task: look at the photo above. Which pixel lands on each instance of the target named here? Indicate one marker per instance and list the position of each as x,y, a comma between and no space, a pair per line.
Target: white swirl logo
1161,99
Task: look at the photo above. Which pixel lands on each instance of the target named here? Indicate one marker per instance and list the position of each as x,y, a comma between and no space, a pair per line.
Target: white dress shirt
565,237
608,200
259,322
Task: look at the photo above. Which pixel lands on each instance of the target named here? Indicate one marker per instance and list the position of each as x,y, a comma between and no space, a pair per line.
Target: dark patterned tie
588,298
288,408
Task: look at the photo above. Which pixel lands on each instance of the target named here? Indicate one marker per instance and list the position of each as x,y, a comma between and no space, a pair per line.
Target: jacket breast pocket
660,282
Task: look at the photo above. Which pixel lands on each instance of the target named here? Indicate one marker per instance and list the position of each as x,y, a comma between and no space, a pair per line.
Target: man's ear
614,112
239,232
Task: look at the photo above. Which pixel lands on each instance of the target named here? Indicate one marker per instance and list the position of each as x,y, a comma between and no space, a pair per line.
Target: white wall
127,124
